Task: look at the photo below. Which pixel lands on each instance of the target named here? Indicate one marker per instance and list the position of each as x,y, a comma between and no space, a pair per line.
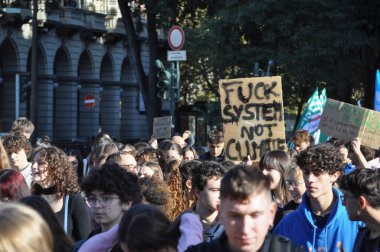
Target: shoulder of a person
291,215
204,156
287,221
204,247
76,197
282,243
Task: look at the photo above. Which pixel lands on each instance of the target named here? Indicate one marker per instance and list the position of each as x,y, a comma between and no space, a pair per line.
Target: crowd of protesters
163,195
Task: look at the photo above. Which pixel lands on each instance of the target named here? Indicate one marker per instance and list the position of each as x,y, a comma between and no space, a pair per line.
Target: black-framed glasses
294,183
103,201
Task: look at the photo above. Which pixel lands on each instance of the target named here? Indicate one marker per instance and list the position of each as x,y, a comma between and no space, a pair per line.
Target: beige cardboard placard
162,127
253,116
345,121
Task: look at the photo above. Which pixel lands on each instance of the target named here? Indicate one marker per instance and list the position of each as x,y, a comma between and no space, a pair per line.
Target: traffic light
164,84
175,86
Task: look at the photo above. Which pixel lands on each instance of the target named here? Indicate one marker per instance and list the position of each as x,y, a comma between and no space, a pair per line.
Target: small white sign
162,127
177,55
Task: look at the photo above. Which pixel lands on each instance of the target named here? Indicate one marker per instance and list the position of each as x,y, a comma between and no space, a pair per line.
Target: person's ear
188,184
363,202
125,206
196,192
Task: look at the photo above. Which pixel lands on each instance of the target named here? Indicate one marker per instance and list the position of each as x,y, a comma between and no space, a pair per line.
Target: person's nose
98,204
291,188
246,225
310,178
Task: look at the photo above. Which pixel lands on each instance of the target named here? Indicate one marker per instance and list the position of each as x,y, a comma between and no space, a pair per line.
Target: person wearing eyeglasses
362,200
126,160
109,191
296,187
321,222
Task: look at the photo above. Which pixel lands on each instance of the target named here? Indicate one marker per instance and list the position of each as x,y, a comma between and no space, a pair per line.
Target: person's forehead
145,168
189,153
178,139
214,181
301,143
295,173
127,158
216,144
254,202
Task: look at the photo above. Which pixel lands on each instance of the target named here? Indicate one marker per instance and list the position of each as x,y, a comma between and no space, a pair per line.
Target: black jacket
272,243
207,157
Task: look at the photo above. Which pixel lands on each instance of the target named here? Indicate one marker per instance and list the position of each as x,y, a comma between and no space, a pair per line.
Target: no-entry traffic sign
176,38
89,101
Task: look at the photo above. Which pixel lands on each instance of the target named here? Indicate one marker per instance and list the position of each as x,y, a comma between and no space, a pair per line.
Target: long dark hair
61,242
281,162
78,155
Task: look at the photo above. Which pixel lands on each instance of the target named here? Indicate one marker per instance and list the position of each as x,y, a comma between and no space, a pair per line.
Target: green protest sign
345,121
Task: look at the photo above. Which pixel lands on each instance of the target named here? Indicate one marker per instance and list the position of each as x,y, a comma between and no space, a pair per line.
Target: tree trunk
147,84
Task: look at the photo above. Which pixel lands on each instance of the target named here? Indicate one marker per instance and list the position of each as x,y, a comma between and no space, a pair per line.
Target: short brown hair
242,181
14,142
302,136
215,137
23,125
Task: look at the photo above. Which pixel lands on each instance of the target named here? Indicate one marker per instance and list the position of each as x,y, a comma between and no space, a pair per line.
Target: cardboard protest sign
345,121
253,116
162,127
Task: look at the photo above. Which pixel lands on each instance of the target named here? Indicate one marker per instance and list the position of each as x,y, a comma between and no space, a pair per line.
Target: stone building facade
80,52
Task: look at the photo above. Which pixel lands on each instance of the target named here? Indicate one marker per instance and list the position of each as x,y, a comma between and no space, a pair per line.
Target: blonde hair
23,229
4,161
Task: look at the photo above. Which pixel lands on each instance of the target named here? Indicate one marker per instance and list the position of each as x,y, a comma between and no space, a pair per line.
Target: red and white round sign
176,38
89,101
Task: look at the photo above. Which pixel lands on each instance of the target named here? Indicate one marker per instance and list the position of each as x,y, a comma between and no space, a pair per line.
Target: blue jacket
338,234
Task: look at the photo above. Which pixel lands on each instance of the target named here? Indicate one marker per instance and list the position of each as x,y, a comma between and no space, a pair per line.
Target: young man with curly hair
321,222
18,148
206,178
109,191
362,200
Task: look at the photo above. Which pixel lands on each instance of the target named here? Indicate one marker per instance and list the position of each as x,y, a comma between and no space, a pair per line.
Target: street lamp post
33,97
